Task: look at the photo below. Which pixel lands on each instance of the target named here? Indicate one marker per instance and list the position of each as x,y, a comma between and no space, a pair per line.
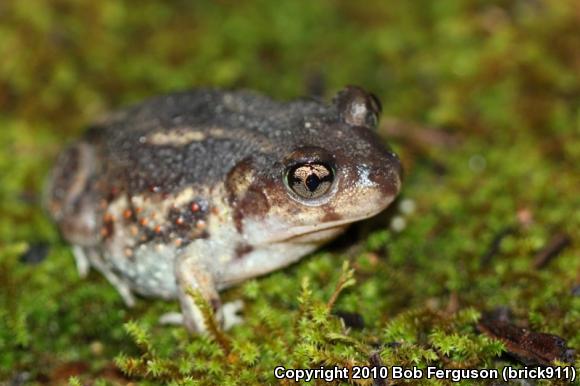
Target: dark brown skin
263,130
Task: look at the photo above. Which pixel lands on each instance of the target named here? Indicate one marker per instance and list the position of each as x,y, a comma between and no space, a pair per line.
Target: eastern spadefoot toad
201,190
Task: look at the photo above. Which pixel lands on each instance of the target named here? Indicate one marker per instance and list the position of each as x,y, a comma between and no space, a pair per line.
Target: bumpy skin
191,192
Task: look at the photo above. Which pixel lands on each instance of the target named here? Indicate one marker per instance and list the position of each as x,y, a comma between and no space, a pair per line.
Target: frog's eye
309,180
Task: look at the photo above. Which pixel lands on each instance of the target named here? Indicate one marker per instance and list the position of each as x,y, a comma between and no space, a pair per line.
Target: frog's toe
82,261
230,314
172,318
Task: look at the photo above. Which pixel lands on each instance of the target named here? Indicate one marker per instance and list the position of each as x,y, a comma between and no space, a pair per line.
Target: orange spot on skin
128,252
178,242
108,225
134,230
179,220
144,222
215,210
114,191
200,224
194,207
158,229
138,210
127,213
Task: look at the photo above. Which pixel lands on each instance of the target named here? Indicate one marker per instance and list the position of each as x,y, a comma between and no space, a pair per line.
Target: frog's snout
387,175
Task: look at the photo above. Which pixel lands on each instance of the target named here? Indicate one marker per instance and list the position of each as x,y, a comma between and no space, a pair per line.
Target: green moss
493,88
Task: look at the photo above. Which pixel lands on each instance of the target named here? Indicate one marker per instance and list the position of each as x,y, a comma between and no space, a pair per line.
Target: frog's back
196,137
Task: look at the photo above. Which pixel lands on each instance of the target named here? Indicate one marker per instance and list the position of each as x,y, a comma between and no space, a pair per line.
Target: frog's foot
120,285
81,260
229,311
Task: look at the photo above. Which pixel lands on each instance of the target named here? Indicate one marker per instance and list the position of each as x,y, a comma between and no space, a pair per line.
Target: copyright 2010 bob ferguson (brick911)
506,374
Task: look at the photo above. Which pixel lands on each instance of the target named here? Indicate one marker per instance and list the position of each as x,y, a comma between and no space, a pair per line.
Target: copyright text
506,374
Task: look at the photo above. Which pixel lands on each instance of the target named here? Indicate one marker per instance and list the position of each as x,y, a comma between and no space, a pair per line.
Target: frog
194,192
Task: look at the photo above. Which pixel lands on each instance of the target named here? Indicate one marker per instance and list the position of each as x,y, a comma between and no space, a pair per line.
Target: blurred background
481,99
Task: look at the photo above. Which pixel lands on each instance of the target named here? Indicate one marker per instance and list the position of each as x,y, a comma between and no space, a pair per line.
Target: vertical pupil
312,182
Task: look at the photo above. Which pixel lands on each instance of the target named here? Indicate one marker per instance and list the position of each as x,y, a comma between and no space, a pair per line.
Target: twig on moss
453,304
495,244
375,361
527,346
420,135
551,250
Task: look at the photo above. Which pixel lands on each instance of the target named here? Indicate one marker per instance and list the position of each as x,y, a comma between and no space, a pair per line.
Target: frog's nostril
387,177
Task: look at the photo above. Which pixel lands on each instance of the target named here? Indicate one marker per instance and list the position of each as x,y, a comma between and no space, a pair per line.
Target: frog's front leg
194,276
195,272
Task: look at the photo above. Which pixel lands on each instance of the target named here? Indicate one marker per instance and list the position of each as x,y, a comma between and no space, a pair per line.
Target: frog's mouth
318,236
276,228
318,233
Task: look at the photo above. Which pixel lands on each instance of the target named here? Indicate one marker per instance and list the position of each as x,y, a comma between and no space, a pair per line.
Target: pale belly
149,272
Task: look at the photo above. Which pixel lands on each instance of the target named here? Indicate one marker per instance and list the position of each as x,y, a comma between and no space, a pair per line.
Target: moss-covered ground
481,100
